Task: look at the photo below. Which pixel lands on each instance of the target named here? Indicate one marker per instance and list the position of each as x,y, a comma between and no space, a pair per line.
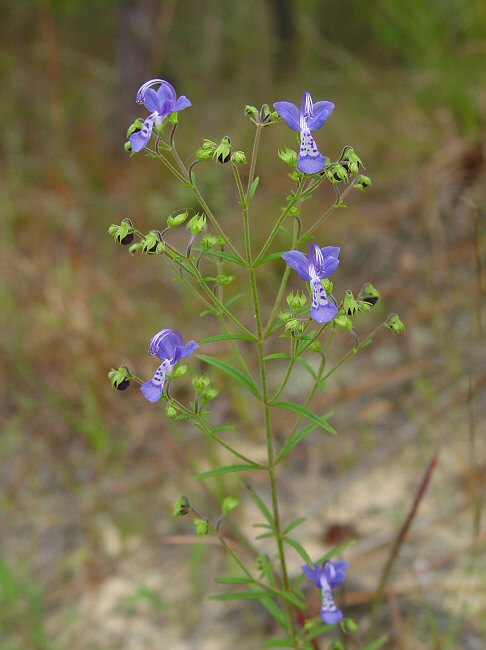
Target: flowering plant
301,326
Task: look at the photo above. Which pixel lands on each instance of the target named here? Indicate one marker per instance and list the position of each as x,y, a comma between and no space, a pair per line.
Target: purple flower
161,103
321,263
169,346
309,118
327,577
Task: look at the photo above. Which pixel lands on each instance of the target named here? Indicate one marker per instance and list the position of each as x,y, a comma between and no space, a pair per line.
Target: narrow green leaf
226,469
253,188
265,536
268,258
375,645
294,524
227,337
233,580
224,427
243,595
234,299
224,256
267,569
336,551
278,355
233,372
283,642
321,421
261,505
292,598
299,548
292,442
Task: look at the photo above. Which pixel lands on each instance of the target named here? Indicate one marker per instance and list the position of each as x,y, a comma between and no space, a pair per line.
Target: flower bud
289,156
134,127
239,158
343,322
284,316
123,233
229,504
200,383
252,113
315,346
351,161
349,306
208,242
178,220
201,526
171,412
223,150
153,244
128,146
223,280
363,182
197,224
369,294
395,324
181,507
294,326
209,393
135,248
120,379
297,301
336,173
204,154
179,371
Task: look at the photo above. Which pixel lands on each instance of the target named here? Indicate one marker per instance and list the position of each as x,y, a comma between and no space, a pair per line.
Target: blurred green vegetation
408,82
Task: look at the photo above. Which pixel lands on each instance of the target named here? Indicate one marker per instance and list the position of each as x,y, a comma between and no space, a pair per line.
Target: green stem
332,207
295,199
268,424
254,155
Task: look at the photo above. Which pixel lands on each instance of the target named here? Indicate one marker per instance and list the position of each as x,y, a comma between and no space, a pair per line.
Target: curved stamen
143,89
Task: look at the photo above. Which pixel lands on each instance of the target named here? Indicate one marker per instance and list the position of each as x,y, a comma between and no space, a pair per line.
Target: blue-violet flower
321,263
161,103
167,345
327,577
308,118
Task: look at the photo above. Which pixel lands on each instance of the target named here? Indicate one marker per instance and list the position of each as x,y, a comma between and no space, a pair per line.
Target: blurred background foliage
78,459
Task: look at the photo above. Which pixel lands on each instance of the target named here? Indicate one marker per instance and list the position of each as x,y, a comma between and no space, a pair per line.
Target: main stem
265,400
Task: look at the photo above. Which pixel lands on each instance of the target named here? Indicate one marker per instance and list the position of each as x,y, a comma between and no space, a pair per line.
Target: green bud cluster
223,280
289,156
171,412
201,526
181,507
197,224
123,233
262,117
229,504
369,294
120,378
207,150
204,390
179,371
337,173
395,324
296,301
363,182
153,244
294,326
177,220
208,242
238,157
223,151
351,161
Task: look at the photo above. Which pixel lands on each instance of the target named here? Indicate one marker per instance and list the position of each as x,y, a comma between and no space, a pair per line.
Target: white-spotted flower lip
319,264
161,102
310,117
168,345
328,576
